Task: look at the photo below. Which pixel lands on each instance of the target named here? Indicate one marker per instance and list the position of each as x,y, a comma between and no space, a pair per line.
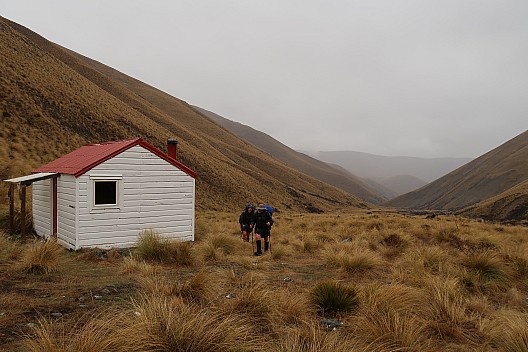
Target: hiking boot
258,254
266,246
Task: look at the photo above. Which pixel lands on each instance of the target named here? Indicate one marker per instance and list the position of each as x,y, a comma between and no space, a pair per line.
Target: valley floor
395,282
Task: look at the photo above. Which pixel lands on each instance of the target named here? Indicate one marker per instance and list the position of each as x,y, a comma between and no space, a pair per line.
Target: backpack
269,209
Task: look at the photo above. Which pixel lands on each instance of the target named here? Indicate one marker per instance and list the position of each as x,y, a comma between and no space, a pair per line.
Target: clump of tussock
153,247
218,246
398,297
132,266
112,330
487,269
197,289
310,337
356,260
446,311
290,308
389,330
173,325
254,302
508,330
42,257
332,298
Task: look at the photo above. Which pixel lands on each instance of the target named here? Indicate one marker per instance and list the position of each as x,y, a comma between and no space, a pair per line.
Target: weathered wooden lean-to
104,195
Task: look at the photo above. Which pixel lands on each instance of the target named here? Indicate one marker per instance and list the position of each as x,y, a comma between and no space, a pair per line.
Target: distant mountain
401,184
487,176
510,205
377,166
337,177
53,100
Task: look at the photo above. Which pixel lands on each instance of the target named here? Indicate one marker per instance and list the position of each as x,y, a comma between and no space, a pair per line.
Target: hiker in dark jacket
263,222
246,221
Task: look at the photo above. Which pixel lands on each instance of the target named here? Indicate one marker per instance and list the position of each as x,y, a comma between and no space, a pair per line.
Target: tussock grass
355,260
174,325
108,331
440,290
197,289
291,308
153,247
333,298
10,250
447,311
133,266
398,297
42,257
487,269
310,337
255,303
217,246
509,331
389,330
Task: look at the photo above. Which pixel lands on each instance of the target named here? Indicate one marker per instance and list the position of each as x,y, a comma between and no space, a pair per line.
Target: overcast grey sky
410,77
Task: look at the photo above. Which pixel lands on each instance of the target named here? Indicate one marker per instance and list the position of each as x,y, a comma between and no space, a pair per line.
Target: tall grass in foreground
509,331
176,326
419,285
42,257
113,330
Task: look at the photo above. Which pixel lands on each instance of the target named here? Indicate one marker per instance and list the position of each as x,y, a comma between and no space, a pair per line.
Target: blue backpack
269,209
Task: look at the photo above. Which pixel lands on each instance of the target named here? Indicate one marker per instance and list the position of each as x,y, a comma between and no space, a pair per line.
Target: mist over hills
382,167
53,101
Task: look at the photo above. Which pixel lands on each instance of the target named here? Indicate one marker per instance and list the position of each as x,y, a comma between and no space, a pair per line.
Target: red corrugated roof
85,158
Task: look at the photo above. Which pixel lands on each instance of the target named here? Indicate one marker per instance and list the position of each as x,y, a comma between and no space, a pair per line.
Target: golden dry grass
435,294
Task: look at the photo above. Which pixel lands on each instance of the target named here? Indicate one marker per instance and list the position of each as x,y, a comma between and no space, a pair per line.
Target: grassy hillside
395,282
304,163
53,101
511,205
482,178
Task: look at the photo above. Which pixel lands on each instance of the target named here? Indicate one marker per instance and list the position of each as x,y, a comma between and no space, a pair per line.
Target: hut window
105,192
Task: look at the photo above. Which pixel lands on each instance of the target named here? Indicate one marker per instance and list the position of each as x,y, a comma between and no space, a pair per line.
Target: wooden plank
23,209
11,195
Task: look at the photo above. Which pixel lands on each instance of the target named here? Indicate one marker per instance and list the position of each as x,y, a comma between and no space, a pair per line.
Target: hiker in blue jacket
246,221
263,222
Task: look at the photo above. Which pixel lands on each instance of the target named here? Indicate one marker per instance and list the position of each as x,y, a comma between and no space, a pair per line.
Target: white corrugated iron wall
66,210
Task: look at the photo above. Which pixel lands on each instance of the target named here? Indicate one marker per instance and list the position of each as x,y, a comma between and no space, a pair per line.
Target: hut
104,195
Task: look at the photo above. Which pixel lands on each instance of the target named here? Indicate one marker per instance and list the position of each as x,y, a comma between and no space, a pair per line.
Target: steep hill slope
509,205
304,163
484,177
52,101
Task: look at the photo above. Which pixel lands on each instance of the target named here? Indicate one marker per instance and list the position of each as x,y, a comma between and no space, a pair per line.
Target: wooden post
23,210
11,195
